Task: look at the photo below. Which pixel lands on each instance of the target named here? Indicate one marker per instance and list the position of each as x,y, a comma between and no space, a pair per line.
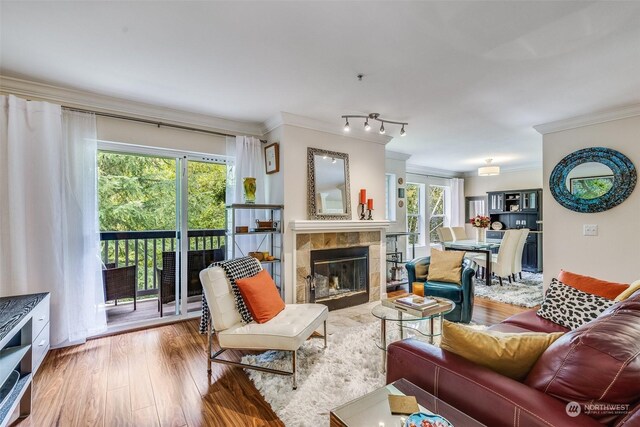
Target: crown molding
289,119
394,155
108,104
589,119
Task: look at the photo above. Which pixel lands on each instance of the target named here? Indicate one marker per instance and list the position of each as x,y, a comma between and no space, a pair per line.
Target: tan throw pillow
510,354
635,286
421,271
446,266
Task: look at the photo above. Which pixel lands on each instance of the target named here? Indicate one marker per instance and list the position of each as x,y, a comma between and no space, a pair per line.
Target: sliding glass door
161,216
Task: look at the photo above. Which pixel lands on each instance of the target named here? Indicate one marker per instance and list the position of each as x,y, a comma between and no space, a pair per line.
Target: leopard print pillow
570,307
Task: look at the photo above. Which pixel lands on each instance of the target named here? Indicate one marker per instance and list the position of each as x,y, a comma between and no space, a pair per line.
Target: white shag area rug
350,367
526,292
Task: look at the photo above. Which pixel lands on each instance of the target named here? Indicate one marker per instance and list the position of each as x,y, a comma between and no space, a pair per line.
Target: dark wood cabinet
519,209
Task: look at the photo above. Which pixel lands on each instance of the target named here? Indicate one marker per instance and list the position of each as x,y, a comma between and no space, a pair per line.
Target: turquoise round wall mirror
593,180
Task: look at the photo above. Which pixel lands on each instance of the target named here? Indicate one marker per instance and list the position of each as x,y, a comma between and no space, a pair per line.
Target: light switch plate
590,230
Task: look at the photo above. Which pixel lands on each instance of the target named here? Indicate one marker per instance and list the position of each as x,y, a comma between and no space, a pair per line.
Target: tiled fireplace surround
306,242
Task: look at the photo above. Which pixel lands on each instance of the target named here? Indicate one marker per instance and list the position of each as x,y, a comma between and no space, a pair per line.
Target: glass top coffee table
389,313
373,409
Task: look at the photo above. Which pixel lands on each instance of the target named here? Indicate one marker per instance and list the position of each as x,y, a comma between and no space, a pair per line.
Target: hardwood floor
157,377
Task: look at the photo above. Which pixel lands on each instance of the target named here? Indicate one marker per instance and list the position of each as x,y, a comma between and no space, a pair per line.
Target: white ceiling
471,78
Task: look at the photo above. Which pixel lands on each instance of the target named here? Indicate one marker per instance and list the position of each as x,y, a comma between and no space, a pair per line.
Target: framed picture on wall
272,158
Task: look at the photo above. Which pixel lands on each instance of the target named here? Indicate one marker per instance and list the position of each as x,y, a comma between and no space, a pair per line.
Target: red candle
363,196
370,204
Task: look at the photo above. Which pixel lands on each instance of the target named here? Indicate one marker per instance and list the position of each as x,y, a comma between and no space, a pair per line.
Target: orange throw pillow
261,296
591,285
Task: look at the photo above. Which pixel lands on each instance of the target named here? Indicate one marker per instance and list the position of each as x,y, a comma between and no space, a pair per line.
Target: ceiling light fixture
374,116
489,169
333,160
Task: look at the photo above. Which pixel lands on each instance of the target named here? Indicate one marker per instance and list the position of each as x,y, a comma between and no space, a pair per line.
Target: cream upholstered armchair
287,331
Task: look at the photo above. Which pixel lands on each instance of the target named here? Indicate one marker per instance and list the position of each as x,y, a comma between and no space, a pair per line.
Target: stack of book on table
416,305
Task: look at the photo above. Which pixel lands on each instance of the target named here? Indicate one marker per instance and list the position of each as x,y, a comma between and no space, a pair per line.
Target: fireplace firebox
339,277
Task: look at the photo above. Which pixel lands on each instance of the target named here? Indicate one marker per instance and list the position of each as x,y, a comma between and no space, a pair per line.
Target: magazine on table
417,302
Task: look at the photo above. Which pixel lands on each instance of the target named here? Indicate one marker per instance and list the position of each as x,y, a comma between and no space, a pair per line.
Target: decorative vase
481,234
249,185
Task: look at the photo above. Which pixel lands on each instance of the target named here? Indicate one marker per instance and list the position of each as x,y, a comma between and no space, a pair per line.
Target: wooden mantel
315,226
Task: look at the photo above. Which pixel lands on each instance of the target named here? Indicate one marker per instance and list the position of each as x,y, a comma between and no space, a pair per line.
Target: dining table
471,245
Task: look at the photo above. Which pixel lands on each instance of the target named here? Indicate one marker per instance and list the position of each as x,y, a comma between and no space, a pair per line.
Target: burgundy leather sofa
596,363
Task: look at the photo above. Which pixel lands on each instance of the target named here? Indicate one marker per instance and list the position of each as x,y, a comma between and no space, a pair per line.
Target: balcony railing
145,248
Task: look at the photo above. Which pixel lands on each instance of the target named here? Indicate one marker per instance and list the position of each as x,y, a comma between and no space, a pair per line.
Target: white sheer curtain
456,202
248,154
49,239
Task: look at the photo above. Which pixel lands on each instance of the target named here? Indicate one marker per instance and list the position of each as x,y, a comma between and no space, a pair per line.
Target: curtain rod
151,122
432,176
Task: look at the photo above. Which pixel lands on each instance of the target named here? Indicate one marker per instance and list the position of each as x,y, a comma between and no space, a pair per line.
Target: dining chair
459,233
502,262
444,234
517,260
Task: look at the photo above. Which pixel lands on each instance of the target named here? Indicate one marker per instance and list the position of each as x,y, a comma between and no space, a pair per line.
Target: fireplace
339,277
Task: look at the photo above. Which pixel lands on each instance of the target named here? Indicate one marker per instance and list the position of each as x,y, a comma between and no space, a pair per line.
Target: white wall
615,253
399,169
137,133
507,180
366,165
275,181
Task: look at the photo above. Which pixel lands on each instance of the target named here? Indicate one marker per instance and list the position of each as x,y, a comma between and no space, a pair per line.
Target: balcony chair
502,263
287,331
119,283
197,260
461,294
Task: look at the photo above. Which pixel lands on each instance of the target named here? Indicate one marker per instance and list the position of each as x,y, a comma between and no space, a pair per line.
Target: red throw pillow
261,296
591,285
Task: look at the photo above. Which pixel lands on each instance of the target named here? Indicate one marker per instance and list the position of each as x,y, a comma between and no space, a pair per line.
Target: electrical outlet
590,230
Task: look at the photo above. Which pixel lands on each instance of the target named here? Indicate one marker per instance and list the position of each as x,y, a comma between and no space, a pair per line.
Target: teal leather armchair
461,294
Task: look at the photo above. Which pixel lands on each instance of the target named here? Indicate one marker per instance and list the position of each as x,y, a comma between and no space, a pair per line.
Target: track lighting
374,116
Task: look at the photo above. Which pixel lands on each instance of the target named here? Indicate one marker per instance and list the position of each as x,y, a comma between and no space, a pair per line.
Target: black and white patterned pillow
570,307
240,268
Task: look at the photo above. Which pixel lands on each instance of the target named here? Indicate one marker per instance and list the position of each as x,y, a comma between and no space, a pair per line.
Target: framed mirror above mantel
328,192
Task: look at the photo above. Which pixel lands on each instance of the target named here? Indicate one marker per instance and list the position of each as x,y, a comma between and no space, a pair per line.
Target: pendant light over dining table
489,169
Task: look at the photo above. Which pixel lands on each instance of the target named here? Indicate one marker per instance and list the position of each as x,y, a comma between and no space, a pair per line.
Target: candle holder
370,217
361,208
